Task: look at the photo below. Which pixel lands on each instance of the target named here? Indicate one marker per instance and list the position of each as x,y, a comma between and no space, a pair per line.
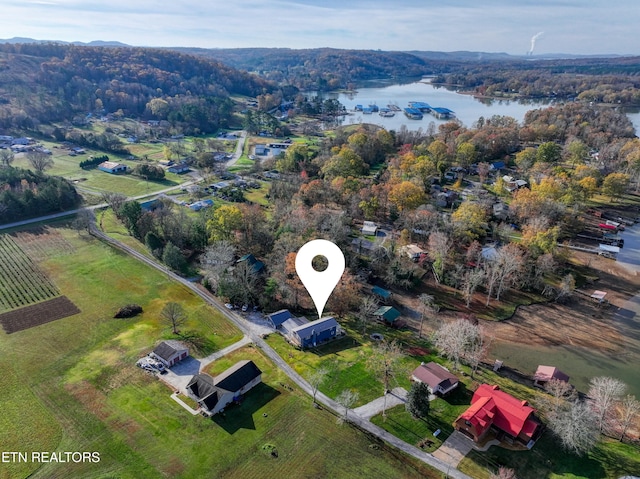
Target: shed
387,313
170,352
383,294
257,265
260,150
178,169
544,374
369,228
315,332
437,378
112,167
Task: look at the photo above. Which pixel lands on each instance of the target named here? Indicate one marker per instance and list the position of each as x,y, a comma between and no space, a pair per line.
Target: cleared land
37,314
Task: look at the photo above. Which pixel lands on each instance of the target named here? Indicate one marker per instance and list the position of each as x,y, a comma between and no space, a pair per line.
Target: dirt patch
37,314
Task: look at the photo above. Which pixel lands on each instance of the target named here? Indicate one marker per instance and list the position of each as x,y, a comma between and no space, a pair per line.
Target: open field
72,385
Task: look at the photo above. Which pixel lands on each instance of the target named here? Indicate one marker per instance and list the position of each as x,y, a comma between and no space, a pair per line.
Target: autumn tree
470,220
604,393
549,152
224,221
417,403
615,185
503,473
345,163
39,161
406,195
173,314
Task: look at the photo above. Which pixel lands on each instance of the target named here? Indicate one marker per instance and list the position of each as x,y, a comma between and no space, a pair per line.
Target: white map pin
320,284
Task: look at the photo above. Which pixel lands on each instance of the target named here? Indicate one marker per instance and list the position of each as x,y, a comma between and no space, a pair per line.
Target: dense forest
25,194
42,83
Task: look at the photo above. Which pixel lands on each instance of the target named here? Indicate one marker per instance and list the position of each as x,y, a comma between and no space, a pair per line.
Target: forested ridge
42,83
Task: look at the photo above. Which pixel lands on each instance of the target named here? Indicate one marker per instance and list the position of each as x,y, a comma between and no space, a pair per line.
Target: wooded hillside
42,83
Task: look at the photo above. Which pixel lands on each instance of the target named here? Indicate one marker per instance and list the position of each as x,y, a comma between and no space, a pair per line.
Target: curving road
240,322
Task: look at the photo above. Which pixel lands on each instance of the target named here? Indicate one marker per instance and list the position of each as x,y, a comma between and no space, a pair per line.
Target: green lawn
72,385
441,416
609,460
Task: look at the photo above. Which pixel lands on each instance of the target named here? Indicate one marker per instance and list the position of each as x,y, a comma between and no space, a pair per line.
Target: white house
214,394
413,251
369,228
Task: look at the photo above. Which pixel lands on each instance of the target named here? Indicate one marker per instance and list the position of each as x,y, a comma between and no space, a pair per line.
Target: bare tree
385,362
346,399
84,220
567,286
504,473
503,270
315,381
439,247
216,259
368,306
39,161
114,200
6,158
455,339
470,282
174,315
576,428
428,308
628,411
560,394
477,348
603,393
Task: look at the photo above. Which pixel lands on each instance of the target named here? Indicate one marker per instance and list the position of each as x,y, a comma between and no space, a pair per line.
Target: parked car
245,307
228,305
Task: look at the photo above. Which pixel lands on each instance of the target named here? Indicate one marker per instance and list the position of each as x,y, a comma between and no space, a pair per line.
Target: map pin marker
320,284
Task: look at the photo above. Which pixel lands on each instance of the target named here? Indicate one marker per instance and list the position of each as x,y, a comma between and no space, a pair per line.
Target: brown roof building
438,379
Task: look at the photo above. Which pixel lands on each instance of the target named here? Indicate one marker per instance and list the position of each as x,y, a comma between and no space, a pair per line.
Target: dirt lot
37,314
581,321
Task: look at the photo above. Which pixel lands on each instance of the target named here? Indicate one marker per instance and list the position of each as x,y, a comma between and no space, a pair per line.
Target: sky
558,26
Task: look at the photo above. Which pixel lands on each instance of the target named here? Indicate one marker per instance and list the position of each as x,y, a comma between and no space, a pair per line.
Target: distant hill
46,82
94,43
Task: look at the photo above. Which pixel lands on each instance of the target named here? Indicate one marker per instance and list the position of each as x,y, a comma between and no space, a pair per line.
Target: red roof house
491,408
544,374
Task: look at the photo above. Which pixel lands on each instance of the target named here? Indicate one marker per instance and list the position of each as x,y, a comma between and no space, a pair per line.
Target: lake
580,363
466,107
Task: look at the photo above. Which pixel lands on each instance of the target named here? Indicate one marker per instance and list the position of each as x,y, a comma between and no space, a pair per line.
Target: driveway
394,398
179,375
454,449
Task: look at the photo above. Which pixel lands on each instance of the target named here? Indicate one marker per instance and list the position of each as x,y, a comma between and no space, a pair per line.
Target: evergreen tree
418,400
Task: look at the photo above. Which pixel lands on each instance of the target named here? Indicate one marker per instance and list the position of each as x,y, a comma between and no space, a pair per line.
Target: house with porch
437,378
214,394
512,419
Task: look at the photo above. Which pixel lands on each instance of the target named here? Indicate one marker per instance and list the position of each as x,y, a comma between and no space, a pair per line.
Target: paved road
239,150
355,419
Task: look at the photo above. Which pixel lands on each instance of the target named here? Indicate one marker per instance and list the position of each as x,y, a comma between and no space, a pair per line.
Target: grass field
71,385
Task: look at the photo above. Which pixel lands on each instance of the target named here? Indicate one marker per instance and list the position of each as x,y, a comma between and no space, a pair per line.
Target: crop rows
22,282
42,243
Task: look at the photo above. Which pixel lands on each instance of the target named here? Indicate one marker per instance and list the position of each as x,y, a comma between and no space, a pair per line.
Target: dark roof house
387,313
438,379
279,317
258,266
314,333
214,394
